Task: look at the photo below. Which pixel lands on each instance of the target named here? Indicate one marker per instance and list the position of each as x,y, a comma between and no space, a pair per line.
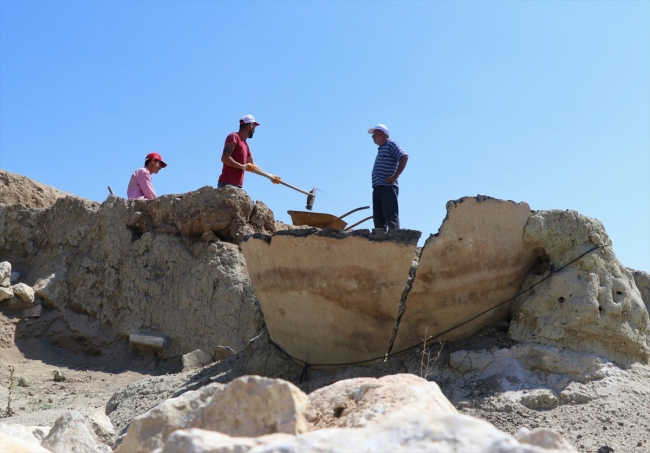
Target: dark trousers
221,185
385,211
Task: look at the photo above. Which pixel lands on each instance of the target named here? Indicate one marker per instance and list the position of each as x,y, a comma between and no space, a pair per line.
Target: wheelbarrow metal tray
316,219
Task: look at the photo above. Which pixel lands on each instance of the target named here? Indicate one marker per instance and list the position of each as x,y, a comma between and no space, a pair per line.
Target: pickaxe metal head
311,198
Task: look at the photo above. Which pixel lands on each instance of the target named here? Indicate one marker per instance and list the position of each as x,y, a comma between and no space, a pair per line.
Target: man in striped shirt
389,164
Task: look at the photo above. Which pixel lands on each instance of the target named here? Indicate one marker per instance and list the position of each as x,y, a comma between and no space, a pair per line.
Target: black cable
393,354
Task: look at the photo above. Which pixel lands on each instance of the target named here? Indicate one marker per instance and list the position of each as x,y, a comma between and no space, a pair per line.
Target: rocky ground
613,416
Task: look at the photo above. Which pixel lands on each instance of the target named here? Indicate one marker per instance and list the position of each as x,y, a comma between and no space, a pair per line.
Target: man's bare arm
226,156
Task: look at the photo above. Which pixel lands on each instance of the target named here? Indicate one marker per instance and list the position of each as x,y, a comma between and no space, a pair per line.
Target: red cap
158,157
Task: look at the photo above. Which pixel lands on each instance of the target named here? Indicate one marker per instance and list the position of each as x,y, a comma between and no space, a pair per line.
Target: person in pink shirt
140,187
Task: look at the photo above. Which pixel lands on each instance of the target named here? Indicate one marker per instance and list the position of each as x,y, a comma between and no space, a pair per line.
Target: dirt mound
15,188
169,266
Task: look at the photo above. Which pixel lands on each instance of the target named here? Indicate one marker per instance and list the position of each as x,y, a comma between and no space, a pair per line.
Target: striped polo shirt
386,163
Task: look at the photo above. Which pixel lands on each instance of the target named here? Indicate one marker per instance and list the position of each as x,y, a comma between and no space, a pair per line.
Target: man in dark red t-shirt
236,156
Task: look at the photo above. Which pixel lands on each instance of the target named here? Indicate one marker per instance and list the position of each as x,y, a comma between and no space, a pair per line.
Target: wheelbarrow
321,220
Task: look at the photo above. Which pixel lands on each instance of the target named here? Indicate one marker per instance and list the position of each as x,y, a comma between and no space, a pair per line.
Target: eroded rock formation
593,304
170,266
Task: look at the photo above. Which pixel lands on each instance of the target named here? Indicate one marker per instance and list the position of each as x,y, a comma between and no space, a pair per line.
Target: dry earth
15,188
614,419
90,381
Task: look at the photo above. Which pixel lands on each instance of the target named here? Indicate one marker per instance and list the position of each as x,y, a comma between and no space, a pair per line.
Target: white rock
12,444
545,438
41,432
150,430
26,293
72,433
195,359
5,273
592,305
364,401
6,293
102,427
413,432
14,277
21,431
196,440
50,290
146,340
256,406
540,399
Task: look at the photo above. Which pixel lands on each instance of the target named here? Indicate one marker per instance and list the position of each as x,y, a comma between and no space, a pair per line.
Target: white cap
379,127
249,119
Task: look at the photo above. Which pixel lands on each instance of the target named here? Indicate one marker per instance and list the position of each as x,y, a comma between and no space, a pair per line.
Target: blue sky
542,102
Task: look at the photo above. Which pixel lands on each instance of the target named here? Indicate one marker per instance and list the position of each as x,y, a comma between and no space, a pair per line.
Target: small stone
6,293
23,382
5,273
26,293
195,359
50,400
60,375
146,340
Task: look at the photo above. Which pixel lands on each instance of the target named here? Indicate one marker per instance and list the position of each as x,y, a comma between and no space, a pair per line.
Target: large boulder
149,430
407,432
255,406
195,440
246,407
360,402
590,305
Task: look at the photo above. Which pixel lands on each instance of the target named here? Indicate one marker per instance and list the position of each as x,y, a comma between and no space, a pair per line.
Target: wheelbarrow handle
358,223
345,215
